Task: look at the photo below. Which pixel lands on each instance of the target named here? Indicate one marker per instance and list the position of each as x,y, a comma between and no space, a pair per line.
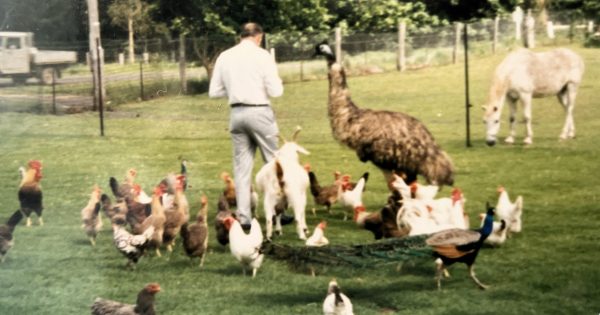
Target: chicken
336,302
195,236
123,191
111,210
352,198
318,239
138,208
130,245
176,216
144,304
229,193
30,191
90,215
509,211
223,212
6,233
382,224
246,248
323,195
157,219
424,192
499,231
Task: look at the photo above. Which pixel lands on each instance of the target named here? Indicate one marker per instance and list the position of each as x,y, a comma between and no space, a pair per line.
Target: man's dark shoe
286,219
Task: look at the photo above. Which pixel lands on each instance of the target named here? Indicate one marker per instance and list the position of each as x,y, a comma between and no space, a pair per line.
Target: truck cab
20,60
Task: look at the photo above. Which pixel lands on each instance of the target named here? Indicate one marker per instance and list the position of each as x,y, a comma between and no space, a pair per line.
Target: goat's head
290,149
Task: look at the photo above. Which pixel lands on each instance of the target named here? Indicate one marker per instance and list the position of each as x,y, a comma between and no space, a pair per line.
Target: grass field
549,268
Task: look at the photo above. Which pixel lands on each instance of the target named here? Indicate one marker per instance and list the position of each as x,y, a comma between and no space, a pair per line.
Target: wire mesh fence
155,67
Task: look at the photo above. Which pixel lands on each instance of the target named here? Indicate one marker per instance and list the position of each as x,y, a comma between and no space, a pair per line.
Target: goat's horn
296,132
281,138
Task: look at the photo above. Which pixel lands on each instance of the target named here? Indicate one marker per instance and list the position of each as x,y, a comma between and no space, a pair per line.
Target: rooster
352,197
30,191
318,238
195,236
382,224
246,248
323,195
223,212
144,304
6,233
111,210
130,245
176,216
336,302
157,219
510,211
90,216
124,190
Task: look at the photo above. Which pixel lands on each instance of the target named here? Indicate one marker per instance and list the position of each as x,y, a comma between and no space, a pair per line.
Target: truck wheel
19,79
47,75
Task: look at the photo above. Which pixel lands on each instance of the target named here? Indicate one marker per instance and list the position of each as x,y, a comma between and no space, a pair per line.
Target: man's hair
250,29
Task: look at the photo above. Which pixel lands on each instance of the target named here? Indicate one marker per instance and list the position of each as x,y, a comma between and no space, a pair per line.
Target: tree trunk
130,29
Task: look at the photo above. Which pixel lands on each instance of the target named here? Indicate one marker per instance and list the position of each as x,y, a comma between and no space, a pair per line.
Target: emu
395,142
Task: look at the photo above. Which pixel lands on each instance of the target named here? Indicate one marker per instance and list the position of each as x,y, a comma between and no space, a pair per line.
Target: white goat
284,178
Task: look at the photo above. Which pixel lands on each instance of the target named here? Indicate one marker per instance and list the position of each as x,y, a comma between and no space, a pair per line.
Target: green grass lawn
549,268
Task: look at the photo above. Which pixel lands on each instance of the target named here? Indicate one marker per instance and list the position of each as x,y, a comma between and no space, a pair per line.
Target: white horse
524,74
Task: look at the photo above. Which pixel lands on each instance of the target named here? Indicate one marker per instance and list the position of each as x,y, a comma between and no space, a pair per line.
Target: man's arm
273,83
217,87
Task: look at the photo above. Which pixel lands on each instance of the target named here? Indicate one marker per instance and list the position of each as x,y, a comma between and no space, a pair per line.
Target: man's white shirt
246,74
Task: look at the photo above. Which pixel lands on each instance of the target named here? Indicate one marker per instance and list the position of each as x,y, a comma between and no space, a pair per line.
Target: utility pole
96,53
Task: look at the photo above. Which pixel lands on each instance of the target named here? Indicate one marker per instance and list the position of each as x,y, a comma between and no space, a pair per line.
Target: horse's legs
526,99
511,119
567,99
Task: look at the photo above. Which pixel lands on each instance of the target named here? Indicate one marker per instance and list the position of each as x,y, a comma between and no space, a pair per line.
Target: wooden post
182,75
121,59
550,29
54,92
141,80
530,28
496,30
338,45
590,29
456,42
517,17
96,62
401,63
100,96
272,51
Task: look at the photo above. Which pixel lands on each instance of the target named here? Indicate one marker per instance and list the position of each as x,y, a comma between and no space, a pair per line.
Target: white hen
318,239
509,211
246,247
352,198
336,302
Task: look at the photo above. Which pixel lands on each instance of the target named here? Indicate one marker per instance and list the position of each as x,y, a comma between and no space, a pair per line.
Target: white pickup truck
20,60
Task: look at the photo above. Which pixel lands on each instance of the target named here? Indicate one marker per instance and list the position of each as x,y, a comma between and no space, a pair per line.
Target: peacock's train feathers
362,255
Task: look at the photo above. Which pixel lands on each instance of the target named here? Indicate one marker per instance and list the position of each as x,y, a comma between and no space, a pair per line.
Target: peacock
449,246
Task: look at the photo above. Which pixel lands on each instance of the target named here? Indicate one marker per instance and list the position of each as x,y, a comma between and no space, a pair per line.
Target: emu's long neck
341,108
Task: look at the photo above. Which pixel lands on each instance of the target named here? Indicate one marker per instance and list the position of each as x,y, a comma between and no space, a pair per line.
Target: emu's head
491,119
290,149
324,49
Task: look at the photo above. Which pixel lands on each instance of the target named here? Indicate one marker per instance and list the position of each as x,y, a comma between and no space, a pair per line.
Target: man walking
247,75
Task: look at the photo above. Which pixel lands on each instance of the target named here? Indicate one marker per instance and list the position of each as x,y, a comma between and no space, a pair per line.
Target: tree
213,24
133,15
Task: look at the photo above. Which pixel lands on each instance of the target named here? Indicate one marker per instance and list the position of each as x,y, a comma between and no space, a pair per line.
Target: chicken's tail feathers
364,255
114,186
14,219
518,205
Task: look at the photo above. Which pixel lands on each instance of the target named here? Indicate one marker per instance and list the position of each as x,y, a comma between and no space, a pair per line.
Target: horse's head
491,119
